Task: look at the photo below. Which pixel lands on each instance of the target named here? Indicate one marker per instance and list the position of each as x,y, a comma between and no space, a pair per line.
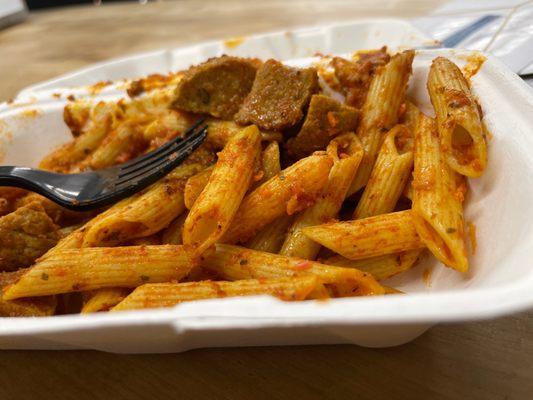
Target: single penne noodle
408,189
391,290
410,117
389,176
271,160
271,237
320,292
84,269
169,122
368,237
437,199
292,190
410,120
219,132
195,185
152,240
215,208
76,115
155,103
74,240
380,267
458,117
269,167
103,299
67,230
170,294
97,128
173,234
381,110
122,140
235,263
346,152
154,82
146,213
30,307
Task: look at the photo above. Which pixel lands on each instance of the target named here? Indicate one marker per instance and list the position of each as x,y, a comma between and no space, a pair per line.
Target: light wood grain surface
483,360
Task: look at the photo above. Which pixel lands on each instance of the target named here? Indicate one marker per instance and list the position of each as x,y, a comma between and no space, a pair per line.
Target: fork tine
164,165
155,162
153,157
133,163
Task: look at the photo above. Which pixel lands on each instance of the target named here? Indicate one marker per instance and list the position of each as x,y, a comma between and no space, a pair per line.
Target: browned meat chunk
8,198
29,307
25,235
326,118
216,87
355,76
278,96
59,215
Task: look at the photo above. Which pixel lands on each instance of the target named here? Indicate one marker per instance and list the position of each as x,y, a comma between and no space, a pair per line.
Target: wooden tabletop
480,360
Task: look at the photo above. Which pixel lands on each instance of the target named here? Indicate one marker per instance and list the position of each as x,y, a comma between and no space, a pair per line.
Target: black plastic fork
94,189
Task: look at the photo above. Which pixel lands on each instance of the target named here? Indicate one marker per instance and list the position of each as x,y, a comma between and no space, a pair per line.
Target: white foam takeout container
500,281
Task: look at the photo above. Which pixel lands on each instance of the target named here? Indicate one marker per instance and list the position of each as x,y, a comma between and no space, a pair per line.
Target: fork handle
35,180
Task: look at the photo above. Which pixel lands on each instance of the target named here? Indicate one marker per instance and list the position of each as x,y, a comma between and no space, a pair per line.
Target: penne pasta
459,122
195,185
170,294
293,190
269,166
29,307
380,111
214,210
74,240
103,299
389,176
270,162
320,292
408,189
391,290
437,199
84,269
388,179
173,234
380,267
410,117
119,146
152,240
76,115
87,140
368,237
235,263
272,236
169,124
145,213
346,152
259,185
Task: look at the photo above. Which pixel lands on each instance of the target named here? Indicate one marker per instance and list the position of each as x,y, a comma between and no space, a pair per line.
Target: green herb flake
145,278
44,276
243,262
450,230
